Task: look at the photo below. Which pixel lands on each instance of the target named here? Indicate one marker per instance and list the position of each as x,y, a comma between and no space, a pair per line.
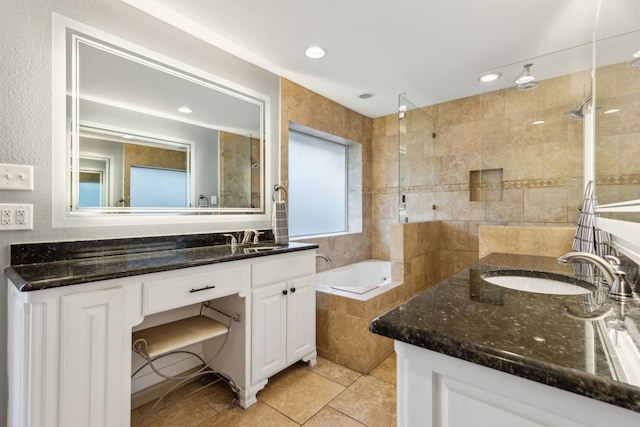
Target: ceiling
431,50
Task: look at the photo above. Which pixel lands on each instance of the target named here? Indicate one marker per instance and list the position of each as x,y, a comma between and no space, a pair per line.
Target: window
158,187
321,177
90,189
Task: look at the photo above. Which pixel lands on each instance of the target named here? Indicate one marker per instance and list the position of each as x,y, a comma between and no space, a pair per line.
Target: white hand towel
279,223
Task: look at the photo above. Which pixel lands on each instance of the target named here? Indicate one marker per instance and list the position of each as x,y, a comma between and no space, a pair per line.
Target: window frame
353,179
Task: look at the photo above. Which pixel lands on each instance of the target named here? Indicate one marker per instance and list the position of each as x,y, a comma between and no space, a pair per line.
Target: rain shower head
576,113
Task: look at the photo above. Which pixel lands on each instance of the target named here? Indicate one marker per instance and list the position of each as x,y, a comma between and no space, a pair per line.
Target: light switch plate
16,177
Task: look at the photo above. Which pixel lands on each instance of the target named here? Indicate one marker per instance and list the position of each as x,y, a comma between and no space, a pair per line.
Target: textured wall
25,119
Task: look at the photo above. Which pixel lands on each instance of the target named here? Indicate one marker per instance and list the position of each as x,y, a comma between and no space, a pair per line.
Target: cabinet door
93,358
268,331
301,318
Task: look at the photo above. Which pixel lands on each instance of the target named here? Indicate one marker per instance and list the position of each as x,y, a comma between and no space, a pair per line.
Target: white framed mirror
142,138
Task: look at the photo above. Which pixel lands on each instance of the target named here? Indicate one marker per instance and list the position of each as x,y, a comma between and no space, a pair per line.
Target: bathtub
347,299
355,280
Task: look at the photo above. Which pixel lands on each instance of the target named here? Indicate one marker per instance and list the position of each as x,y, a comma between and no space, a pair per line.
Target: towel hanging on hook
279,222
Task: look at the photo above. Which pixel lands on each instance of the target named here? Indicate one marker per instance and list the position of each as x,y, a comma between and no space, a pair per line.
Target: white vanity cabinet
283,314
443,391
70,346
91,357
69,355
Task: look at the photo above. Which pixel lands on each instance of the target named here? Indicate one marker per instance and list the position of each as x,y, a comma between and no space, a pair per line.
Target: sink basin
528,281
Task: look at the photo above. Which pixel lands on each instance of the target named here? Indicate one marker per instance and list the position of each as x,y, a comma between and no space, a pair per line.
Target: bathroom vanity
474,353
72,314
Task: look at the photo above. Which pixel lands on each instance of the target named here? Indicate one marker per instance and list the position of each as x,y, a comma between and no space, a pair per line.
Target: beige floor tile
178,410
257,415
386,371
329,417
370,401
335,372
299,393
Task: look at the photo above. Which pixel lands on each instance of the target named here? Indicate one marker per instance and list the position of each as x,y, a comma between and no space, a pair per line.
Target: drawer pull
202,289
285,292
293,290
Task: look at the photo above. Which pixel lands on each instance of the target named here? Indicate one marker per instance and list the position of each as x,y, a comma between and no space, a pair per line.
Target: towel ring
277,188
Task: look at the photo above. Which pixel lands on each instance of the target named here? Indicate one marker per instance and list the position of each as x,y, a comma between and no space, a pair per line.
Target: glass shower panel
416,163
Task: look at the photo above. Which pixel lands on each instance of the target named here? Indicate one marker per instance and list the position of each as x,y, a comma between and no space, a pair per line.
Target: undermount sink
528,281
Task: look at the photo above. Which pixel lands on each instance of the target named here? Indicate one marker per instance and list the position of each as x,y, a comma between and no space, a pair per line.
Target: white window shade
318,185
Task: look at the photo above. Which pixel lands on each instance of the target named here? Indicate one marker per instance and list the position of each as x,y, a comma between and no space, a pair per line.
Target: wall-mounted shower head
577,113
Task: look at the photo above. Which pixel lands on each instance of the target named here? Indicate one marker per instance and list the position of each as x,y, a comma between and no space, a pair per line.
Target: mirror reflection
617,126
146,137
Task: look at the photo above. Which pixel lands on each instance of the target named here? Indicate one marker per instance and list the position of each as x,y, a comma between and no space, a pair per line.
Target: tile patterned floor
325,395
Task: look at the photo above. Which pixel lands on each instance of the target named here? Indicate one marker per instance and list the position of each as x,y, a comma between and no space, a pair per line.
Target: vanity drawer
282,268
166,294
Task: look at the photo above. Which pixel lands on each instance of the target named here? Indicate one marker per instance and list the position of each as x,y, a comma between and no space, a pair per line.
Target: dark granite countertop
536,336
49,265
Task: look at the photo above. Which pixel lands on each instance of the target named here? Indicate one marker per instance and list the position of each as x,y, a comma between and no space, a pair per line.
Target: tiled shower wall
618,136
541,164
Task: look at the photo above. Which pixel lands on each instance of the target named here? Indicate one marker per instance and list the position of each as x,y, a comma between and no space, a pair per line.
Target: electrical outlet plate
16,177
5,217
16,217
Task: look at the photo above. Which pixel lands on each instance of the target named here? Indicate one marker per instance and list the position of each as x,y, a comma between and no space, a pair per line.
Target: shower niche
485,185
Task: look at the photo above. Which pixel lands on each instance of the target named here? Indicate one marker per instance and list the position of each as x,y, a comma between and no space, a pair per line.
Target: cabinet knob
284,292
293,290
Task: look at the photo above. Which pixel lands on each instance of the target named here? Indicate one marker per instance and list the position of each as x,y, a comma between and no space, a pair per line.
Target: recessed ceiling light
366,95
489,77
315,52
637,54
611,111
185,110
127,136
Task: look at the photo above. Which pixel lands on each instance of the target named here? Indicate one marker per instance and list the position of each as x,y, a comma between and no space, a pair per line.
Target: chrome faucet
234,241
605,266
246,236
324,257
610,268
